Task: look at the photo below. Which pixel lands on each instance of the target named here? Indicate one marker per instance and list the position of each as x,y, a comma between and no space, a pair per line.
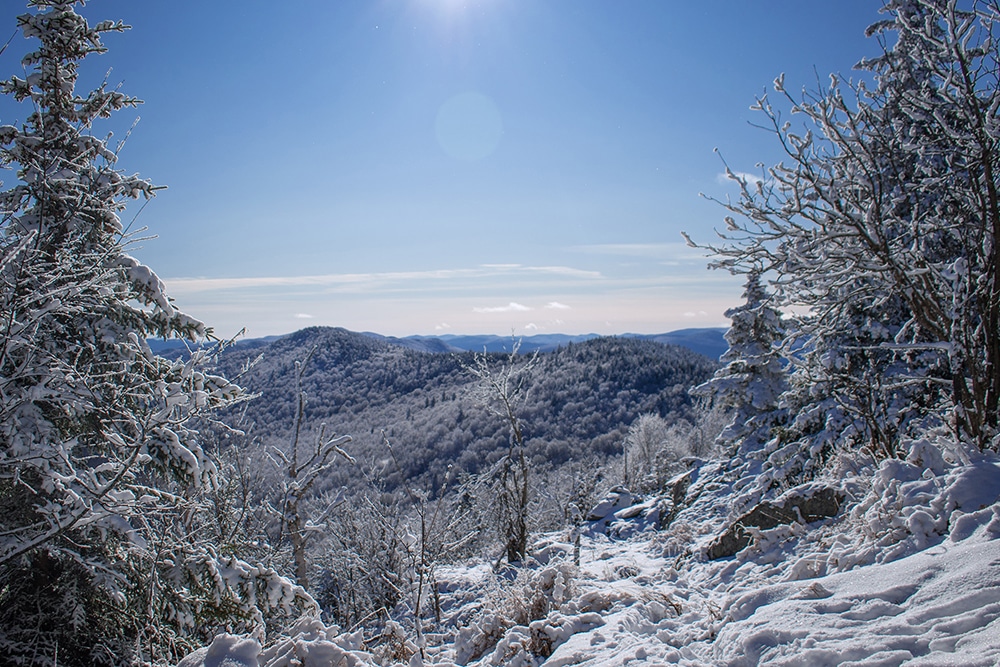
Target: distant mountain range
709,342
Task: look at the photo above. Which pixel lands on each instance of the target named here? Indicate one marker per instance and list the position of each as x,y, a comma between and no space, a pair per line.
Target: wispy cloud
303,316
390,280
555,305
564,271
511,307
186,285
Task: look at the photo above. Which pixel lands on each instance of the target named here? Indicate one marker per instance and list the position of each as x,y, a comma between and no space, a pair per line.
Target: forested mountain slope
581,398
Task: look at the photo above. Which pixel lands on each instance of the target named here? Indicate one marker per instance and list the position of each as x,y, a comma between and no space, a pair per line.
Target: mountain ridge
707,341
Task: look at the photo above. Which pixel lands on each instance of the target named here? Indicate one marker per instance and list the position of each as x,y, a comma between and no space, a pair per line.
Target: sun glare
452,9
448,5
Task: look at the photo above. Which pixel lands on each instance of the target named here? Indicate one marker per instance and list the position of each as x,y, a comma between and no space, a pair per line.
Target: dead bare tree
501,388
302,467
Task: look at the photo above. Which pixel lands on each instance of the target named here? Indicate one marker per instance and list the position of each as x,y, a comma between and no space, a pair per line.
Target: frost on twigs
876,238
501,387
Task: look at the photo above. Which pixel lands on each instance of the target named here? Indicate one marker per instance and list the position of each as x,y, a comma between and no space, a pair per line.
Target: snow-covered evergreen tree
101,556
754,378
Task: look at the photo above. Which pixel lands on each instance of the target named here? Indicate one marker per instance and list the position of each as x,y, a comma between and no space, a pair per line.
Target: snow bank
308,643
936,607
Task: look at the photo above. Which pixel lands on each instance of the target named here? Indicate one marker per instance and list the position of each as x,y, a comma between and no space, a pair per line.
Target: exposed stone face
805,506
678,486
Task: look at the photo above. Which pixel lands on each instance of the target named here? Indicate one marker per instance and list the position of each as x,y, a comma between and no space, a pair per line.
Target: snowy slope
907,574
936,607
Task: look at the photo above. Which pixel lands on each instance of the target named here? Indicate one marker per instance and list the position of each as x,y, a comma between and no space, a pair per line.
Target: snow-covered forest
829,493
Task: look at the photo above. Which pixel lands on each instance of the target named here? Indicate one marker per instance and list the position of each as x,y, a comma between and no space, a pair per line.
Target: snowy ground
907,574
937,607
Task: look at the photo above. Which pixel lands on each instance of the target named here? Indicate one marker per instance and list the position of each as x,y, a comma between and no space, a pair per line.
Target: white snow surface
225,651
907,574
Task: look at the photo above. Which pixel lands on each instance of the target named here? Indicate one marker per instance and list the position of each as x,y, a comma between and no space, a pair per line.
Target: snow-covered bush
362,560
501,389
529,595
654,448
913,502
306,642
878,237
562,494
649,447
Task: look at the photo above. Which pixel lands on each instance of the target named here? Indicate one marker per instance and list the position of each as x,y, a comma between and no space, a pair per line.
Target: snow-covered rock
806,503
616,499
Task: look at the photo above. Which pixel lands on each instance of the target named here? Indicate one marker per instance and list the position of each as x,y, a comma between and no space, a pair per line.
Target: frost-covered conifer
101,559
753,378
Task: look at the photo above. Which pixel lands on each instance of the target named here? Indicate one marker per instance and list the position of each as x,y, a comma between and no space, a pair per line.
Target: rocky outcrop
804,504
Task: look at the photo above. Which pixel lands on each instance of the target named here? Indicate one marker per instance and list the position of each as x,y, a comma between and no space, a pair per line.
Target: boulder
808,503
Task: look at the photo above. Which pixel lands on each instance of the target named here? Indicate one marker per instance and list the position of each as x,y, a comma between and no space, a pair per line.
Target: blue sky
449,166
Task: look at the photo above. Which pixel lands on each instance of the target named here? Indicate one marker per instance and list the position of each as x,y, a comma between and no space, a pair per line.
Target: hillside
580,402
